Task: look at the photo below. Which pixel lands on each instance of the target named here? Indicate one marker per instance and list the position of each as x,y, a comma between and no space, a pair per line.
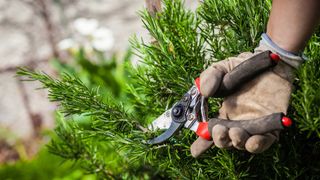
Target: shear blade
162,122
174,127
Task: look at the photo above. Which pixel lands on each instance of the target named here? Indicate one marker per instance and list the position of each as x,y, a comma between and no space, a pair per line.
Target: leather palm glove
267,93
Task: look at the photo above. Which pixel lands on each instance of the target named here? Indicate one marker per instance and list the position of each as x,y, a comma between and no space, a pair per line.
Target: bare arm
292,22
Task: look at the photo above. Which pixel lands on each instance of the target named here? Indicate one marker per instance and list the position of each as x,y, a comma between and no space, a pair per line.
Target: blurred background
87,38
32,33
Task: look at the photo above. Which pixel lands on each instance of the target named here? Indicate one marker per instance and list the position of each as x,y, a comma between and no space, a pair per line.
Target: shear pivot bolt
186,98
194,91
190,117
177,111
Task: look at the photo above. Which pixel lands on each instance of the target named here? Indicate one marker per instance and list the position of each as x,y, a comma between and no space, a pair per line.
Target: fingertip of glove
259,143
210,80
221,137
238,137
200,146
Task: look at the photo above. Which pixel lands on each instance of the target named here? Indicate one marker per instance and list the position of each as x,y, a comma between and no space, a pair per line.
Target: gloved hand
267,93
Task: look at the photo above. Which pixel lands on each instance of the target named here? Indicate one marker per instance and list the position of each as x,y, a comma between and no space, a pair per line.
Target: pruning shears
191,111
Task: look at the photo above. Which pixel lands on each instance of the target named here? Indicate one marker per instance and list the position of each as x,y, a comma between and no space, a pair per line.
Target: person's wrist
283,43
290,58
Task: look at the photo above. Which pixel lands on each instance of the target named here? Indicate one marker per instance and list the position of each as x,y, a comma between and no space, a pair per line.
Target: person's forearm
292,22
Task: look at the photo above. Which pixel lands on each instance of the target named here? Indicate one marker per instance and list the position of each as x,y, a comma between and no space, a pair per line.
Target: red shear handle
203,131
262,125
197,83
244,72
275,121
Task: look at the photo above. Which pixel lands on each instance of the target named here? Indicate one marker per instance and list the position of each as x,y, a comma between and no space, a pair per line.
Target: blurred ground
29,33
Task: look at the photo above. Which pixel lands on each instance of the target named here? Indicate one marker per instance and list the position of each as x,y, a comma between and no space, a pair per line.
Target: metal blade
162,122
174,127
195,126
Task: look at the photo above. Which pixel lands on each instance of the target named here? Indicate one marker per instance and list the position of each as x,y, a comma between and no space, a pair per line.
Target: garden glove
267,93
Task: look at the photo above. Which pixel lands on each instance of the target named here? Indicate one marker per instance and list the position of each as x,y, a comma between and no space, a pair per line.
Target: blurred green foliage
44,166
108,76
96,70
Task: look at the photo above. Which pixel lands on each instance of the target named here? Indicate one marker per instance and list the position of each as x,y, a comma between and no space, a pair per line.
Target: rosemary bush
112,144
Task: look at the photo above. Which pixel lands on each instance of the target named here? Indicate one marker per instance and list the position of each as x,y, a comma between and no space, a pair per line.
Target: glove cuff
294,60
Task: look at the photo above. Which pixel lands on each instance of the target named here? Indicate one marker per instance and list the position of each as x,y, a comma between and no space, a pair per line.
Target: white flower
89,36
85,26
103,39
66,44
